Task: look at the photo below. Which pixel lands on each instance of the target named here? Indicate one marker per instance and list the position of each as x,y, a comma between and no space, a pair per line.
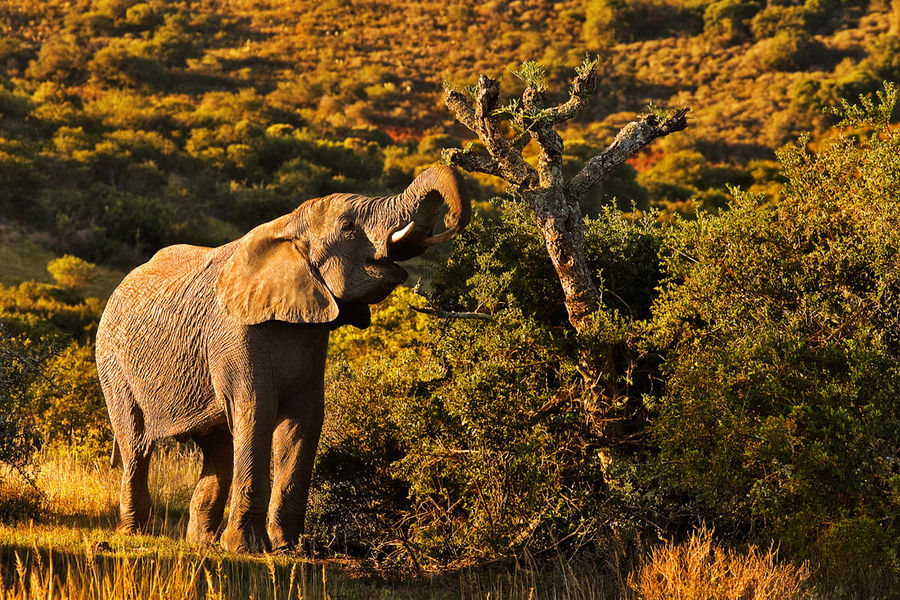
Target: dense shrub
884,57
127,63
61,59
488,427
19,363
610,21
789,49
758,381
48,380
72,271
67,404
779,325
728,21
686,175
775,19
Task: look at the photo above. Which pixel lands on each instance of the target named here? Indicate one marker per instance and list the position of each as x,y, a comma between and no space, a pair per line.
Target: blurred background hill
126,125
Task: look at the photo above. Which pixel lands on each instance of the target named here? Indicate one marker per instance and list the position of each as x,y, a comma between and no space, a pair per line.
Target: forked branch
505,131
629,141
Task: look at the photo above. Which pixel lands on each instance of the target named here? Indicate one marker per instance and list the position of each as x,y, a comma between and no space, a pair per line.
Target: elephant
227,346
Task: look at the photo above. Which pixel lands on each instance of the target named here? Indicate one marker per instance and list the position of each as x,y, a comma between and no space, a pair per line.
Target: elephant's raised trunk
419,206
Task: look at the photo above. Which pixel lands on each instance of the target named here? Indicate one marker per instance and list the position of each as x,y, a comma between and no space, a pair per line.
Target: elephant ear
268,278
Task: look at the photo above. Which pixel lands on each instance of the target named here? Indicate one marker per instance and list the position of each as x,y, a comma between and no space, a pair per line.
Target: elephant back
157,318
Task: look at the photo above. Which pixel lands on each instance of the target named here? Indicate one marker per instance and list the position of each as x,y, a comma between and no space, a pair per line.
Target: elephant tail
116,458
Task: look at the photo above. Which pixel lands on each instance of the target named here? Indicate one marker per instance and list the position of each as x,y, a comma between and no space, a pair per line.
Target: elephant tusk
399,235
441,237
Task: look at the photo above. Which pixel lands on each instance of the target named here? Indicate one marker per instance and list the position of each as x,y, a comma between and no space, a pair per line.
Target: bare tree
555,201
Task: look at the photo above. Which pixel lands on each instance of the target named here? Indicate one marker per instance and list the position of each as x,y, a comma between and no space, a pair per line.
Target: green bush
72,271
686,174
884,57
788,50
474,438
127,63
775,19
728,21
48,380
42,310
779,326
611,21
67,403
61,58
756,368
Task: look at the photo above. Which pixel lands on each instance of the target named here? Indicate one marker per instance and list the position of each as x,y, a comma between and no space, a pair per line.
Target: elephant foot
281,541
201,535
131,528
249,540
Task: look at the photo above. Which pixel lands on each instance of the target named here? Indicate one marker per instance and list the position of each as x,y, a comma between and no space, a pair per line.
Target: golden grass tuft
73,486
700,570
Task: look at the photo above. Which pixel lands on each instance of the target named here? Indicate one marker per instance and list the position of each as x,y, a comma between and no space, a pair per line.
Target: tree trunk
561,226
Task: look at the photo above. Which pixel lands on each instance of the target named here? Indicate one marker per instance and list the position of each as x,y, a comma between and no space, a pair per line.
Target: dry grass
89,488
71,551
91,576
699,570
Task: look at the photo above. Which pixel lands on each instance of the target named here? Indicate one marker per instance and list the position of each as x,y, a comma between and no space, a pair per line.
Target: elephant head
333,256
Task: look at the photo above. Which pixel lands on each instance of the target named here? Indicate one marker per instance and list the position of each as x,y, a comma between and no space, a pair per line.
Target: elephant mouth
384,275
413,239
387,269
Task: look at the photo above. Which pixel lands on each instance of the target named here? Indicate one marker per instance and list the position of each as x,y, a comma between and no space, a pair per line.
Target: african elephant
226,346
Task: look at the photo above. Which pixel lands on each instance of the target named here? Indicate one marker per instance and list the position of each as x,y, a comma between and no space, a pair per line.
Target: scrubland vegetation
748,266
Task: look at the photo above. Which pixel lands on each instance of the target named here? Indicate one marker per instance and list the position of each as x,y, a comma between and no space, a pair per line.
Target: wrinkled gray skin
226,346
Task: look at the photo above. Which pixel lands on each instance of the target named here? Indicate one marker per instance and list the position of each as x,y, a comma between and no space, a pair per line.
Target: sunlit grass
69,549
699,569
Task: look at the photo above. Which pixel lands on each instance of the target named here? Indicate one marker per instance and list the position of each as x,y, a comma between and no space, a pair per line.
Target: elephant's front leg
253,421
294,446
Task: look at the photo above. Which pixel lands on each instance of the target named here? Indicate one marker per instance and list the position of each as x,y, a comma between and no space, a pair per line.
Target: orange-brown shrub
700,570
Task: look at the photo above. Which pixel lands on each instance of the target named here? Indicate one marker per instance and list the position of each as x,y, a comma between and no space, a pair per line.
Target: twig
443,314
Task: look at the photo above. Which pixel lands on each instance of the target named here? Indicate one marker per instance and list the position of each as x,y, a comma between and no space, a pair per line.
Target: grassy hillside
24,257
126,126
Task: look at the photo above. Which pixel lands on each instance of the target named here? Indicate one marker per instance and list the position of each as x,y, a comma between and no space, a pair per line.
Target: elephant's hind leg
132,450
134,499
211,493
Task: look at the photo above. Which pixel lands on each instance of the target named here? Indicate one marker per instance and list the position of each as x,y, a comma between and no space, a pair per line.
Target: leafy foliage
486,427
779,324
48,380
72,271
757,355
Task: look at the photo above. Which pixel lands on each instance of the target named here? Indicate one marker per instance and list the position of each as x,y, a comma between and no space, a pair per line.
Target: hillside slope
127,125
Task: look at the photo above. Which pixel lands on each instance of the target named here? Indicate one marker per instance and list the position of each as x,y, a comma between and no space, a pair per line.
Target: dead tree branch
629,141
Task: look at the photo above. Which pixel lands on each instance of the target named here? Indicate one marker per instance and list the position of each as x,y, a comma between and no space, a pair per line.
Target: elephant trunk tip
433,187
